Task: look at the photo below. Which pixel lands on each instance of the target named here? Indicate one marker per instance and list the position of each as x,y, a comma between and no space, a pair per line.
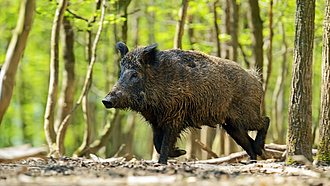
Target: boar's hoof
177,152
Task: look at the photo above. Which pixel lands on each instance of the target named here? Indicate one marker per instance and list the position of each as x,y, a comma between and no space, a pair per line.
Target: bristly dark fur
176,90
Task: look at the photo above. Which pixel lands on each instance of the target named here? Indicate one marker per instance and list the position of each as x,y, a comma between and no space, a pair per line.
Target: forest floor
117,171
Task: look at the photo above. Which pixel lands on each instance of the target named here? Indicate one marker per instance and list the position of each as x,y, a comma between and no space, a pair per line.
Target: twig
76,16
246,61
119,150
87,80
208,150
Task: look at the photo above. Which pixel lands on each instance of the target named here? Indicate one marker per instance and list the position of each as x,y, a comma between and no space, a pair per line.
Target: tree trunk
53,82
193,150
323,153
65,102
299,135
21,95
255,25
151,24
270,48
226,25
14,54
233,30
180,25
216,28
278,102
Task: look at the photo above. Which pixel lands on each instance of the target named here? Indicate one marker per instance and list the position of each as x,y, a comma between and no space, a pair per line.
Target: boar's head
129,90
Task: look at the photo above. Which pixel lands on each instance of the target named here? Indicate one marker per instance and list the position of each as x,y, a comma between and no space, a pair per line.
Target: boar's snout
107,102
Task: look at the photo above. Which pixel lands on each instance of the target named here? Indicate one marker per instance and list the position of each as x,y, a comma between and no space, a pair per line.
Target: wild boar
176,90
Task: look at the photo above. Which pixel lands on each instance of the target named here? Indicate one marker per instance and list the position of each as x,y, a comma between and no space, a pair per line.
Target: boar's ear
149,54
122,48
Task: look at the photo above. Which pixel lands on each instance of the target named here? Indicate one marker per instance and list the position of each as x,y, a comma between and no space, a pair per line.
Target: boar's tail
255,72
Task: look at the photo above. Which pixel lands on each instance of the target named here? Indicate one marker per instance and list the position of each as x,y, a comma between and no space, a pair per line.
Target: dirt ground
116,171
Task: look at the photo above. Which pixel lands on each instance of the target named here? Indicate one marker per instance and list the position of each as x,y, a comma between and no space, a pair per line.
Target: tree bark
14,54
323,153
299,134
180,25
255,25
53,81
65,102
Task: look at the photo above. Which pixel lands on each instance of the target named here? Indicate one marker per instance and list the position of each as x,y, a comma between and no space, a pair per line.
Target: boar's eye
134,74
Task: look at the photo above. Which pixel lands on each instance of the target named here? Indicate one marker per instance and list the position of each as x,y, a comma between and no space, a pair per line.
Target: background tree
14,54
53,80
299,136
65,102
323,155
180,25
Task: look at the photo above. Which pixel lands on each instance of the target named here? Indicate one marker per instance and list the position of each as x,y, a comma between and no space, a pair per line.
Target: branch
208,150
60,136
76,16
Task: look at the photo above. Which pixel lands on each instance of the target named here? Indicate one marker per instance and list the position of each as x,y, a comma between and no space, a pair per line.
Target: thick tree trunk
53,82
14,54
323,153
180,26
299,135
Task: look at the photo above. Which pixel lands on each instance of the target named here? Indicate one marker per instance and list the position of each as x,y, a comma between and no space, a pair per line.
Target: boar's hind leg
259,142
241,137
158,139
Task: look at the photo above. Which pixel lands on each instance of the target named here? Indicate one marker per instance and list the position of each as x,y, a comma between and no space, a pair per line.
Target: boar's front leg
164,141
169,139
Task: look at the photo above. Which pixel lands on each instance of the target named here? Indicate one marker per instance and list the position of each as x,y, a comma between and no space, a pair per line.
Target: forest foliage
148,21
